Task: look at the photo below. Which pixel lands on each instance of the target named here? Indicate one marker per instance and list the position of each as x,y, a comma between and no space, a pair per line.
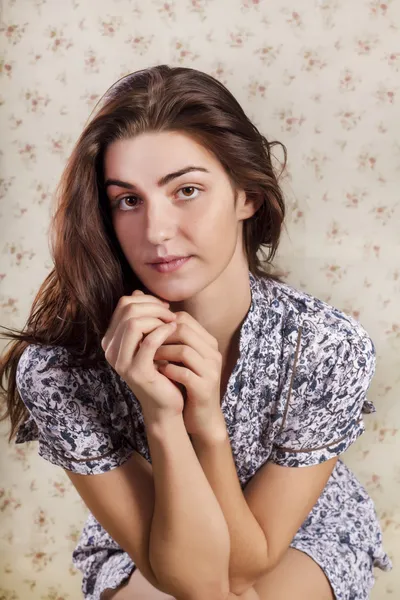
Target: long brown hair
74,304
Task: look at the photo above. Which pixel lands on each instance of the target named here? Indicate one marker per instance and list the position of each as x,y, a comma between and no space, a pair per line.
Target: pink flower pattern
322,78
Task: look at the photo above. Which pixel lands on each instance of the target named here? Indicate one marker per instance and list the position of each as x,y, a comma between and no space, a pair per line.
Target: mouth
168,259
169,265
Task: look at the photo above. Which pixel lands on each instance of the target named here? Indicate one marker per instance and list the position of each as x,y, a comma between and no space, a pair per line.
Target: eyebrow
163,181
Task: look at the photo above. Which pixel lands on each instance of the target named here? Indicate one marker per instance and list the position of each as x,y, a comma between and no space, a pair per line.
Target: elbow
239,586
216,592
273,561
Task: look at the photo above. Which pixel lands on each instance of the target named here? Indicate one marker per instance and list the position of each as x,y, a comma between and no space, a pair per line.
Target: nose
161,221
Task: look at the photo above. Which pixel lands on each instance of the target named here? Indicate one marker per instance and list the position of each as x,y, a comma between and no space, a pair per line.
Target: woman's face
160,208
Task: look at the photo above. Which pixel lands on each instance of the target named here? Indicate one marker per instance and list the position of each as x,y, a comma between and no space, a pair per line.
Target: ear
247,207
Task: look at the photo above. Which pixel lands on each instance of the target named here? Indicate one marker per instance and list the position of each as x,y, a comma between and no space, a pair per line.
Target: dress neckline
248,334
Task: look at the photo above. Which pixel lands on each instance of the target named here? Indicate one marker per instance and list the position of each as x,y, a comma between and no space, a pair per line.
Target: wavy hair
75,302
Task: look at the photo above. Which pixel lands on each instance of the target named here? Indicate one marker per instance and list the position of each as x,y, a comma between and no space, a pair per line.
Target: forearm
189,543
248,554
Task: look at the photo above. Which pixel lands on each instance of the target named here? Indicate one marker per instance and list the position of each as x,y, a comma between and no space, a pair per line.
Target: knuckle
186,375
180,316
129,308
149,342
131,324
184,352
123,301
181,327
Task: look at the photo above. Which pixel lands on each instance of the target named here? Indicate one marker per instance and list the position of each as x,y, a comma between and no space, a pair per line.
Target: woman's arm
264,518
164,515
189,544
248,556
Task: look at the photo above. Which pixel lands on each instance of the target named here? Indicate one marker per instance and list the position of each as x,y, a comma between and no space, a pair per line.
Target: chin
170,291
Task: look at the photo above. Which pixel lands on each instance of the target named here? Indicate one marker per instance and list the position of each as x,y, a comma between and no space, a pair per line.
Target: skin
297,576
213,287
151,222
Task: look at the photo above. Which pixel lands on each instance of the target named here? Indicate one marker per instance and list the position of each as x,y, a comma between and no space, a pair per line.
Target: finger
139,295
136,297
144,326
185,334
184,317
148,348
181,375
136,310
185,355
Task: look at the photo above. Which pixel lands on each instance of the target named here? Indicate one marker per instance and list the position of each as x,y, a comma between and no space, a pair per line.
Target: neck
222,306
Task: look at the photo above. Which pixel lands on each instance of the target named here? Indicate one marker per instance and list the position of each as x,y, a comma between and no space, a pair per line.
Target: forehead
157,153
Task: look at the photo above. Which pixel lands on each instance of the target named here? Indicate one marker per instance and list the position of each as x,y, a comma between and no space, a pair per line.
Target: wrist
215,433
156,423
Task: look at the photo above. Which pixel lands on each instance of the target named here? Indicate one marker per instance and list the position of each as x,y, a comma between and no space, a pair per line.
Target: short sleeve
69,412
323,413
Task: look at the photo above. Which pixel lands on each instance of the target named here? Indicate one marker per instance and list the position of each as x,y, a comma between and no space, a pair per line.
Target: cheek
125,230
217,212
214,228
222,221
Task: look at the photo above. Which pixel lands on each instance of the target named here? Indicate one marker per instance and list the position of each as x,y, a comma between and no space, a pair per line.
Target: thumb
137,293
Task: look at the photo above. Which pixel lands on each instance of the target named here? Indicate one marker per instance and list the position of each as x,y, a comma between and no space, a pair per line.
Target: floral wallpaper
321,76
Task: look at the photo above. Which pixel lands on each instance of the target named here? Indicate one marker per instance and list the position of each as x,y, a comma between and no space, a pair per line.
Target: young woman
198,403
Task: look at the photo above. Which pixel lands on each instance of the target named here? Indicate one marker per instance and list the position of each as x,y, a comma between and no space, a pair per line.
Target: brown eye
188,189
129,202
188,192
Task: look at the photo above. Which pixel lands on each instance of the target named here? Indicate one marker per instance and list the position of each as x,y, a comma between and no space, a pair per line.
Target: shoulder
75,411
41,358
332,362
310,333
314,318
50,371
34,367
37,357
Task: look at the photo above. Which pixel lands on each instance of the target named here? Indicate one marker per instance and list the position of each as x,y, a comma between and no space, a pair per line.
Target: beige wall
322,76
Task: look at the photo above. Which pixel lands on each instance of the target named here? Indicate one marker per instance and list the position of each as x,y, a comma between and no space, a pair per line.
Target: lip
171,265
166,259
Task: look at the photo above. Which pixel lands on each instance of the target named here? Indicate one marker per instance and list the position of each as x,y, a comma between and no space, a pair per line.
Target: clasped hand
143,333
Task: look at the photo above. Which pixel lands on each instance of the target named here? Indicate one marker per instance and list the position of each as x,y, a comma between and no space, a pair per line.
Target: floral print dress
296,397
